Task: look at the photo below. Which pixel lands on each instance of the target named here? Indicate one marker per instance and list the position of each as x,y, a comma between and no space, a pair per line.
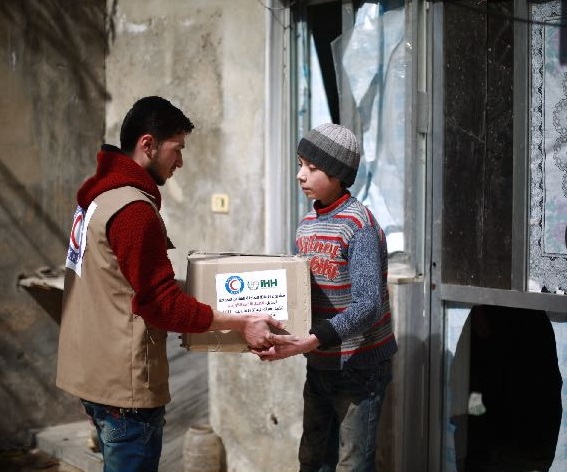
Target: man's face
166,158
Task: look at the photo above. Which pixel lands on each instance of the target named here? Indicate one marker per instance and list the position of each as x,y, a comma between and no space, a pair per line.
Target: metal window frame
521,149
433,237
418,112
278,202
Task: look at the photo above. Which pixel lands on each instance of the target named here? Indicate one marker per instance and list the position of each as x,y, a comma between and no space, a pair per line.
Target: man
121,297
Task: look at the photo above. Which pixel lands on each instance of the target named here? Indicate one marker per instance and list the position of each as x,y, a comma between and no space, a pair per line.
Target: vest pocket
157,370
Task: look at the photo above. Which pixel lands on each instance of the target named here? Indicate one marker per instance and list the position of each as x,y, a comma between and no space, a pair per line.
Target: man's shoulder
122,196
126,191
111,202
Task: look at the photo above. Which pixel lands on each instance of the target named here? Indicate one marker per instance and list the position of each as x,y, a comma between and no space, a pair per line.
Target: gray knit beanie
333,149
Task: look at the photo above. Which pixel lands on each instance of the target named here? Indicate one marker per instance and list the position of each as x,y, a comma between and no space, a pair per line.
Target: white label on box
253,292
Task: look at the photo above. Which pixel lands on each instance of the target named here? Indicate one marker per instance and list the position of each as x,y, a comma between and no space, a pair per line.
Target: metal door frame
437,292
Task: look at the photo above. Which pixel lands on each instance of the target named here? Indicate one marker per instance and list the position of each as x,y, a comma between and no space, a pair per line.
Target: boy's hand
256,329
290,348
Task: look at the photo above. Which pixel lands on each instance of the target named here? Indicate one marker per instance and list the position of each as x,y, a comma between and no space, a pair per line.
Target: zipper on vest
147,366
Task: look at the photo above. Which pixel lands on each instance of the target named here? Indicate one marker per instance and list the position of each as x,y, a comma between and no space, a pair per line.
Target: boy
351,343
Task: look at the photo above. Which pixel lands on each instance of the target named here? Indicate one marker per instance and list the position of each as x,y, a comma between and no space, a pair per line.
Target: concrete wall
257,410
51,118
207,57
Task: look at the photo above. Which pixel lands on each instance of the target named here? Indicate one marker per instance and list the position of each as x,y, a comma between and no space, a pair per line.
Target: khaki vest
107,354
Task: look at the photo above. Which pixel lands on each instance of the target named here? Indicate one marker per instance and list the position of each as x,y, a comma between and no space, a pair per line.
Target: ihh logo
267,283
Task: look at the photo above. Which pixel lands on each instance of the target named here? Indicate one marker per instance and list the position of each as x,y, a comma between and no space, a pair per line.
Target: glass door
497,280
353,64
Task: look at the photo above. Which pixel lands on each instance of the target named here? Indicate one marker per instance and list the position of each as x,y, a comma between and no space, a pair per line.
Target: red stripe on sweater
350,217
383,319
334,287
353,351
370,219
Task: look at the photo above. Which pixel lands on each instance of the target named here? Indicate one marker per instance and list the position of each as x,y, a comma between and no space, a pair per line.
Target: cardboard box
238,284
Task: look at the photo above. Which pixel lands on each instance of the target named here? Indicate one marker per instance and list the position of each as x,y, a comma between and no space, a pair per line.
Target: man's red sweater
136,236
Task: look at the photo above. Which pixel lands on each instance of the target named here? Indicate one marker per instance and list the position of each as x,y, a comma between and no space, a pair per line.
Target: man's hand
256,329
288,349
258,332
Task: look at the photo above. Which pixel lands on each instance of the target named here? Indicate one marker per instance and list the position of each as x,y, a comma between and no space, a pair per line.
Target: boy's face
316,184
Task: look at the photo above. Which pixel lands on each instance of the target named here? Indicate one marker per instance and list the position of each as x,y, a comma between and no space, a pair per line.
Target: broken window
352,69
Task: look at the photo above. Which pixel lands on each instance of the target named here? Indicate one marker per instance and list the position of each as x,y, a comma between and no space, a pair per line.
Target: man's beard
155,176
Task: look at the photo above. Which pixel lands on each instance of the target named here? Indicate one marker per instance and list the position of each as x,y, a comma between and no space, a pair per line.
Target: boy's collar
320,210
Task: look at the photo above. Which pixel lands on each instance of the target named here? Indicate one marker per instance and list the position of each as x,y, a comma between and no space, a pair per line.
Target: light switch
219,203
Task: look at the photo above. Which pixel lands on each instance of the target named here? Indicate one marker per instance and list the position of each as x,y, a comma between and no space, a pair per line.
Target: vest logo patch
77,240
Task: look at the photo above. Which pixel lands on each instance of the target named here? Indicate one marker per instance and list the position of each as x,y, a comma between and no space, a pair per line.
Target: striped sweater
350,303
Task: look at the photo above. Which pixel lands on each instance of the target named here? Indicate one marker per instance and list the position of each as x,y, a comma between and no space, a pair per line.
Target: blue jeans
130,438
340,419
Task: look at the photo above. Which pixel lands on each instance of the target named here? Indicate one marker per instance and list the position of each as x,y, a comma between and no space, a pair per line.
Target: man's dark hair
155,116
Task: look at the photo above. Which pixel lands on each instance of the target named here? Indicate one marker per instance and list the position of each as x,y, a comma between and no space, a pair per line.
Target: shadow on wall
51,24
52,91
22,195
510,415
52,55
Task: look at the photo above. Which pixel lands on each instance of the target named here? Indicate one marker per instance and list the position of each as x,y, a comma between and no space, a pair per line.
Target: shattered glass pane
374,58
